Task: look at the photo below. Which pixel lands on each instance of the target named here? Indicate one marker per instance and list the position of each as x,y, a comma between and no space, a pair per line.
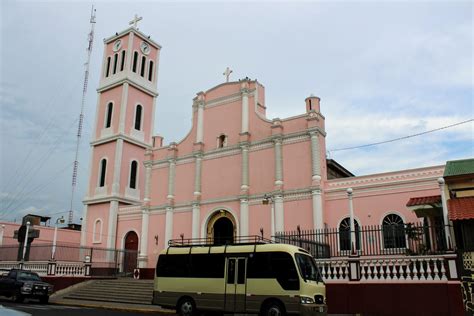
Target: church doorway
131,250
221,228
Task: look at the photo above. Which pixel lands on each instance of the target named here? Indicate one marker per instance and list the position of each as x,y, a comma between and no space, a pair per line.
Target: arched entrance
131,250
221,228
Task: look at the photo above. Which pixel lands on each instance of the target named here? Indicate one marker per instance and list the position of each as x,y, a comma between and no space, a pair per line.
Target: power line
401,138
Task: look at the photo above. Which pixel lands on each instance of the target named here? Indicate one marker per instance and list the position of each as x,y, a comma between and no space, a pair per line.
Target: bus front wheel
273,308
186,307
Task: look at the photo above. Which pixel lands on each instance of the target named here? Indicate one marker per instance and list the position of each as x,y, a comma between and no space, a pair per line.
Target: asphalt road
36,309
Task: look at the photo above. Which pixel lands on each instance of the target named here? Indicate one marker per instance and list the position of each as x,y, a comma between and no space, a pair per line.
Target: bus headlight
306,300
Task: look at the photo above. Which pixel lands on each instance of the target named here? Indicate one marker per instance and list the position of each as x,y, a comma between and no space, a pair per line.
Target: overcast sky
383,70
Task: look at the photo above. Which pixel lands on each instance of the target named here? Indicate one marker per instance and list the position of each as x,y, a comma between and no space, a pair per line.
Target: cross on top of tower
227,73
135,20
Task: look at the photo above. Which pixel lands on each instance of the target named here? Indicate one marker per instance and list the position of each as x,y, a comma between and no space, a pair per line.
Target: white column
143,258
123,108
171,175
147,183
112,227
196,220
55,237
447,232
279,214
272,218
245,167
2,230
84,226
352,223
317,209
117,167
200,122
278,162
315,155
197,175
244,217
245,111
168,225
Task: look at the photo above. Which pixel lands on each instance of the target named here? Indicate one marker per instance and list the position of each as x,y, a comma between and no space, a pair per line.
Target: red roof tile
424,200
461,208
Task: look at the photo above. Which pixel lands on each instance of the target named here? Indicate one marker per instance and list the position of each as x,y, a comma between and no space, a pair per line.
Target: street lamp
266,200
59,220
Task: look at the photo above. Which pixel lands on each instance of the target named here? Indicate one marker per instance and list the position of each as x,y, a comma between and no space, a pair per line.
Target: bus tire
186,307
273,308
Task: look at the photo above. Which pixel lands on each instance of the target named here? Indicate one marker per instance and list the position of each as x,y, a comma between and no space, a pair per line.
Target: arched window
97,231
150,71
138,117
135,61
102,172
142,70
133,174
122,62
115,63
107,69
108,115
345,234
393,230
222,141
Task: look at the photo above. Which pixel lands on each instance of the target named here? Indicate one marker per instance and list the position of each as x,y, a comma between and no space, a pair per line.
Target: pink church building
213,182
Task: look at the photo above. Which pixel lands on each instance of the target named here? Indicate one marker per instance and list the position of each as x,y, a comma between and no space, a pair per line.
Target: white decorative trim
222,153
185,161
117,166
130,210
98,187
139,135
295,139
261,145
223,100
428,173
94,232
132,193
123,108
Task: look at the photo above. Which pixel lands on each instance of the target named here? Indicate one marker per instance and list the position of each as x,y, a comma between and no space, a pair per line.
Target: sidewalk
114,306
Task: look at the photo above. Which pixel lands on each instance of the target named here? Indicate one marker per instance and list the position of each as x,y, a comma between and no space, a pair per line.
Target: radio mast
81,116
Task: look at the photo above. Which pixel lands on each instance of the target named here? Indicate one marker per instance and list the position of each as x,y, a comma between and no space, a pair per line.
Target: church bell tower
122,132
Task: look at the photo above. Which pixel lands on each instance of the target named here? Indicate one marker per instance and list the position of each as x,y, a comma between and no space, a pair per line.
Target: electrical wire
401,138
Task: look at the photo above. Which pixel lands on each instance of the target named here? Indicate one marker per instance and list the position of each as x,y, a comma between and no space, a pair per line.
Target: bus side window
241,271
284,270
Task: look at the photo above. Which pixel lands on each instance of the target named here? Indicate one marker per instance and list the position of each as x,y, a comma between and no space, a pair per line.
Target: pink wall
103,151
113,95
220,177
132,152
65,236
135,97
261,170
160,186
95,212
184,188
297,165
215,124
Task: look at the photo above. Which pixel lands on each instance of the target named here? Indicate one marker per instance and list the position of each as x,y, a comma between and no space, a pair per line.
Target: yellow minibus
253,277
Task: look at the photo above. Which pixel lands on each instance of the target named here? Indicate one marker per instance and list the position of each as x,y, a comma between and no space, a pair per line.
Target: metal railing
372,240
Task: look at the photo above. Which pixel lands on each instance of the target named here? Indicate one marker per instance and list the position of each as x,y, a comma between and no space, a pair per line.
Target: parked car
21,284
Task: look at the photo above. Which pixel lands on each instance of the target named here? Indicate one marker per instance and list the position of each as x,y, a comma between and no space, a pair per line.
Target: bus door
236,284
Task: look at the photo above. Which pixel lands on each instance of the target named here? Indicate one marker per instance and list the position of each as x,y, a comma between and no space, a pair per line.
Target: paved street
36,309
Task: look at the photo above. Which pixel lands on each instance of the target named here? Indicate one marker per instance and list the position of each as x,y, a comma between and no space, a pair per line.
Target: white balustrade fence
387,269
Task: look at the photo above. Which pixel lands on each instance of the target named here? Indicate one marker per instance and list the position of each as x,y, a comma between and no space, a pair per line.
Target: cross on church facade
227,73
135,20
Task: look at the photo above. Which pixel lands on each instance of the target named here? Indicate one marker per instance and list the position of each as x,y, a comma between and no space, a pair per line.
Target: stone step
128,291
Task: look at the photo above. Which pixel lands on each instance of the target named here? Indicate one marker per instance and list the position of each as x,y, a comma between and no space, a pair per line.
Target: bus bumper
313,309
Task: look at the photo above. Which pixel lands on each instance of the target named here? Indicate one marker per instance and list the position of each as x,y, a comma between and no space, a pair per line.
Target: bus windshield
307,267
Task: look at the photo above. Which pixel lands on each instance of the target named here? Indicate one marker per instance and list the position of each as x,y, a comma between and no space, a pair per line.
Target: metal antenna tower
81,116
